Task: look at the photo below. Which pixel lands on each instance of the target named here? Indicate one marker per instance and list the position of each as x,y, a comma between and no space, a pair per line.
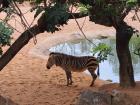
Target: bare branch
83,23
137,16
25,23
82,31
45,3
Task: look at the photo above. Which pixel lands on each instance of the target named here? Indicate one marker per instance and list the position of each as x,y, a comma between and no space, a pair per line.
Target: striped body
73,63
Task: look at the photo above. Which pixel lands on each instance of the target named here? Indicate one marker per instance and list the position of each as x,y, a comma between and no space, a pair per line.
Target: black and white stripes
73,63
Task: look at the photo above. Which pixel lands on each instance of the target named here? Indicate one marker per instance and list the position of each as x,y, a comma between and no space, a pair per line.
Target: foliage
102,51
105,11
137,47
137,51
54,16
84,9
5,38
131,3
38,1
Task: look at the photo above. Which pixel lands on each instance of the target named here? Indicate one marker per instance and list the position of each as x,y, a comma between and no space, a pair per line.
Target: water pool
109,69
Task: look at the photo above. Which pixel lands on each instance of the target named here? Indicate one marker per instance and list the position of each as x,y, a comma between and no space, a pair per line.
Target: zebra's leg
68,77
94,76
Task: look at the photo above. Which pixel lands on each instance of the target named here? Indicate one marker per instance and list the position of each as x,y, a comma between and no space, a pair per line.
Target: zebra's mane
62,54
57,53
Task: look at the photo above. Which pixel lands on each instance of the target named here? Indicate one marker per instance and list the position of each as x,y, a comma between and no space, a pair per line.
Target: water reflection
109,69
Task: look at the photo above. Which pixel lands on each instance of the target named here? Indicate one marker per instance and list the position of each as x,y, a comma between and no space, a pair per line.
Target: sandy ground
26,80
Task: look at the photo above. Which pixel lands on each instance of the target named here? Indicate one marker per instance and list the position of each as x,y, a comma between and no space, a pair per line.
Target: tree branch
125,13
18,45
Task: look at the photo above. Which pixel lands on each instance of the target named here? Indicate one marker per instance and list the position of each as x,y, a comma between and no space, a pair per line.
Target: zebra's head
51,61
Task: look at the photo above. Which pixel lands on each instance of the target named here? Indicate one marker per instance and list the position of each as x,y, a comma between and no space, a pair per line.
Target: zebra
73,63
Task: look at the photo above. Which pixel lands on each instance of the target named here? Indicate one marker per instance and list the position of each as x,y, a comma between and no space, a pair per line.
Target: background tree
56,13
112,13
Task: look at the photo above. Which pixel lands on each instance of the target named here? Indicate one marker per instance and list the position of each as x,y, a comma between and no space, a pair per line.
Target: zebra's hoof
91,85
67,84
71,83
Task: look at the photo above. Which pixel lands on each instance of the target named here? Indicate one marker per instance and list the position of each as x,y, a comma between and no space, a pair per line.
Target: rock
119,98
89,97
109,80
6,101
116,97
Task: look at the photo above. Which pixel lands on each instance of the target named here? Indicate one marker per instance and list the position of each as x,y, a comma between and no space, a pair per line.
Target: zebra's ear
51,53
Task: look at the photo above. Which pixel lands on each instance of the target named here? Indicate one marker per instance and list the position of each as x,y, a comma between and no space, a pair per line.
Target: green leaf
38,1
102,51
5,35
84,8
56,16
131,3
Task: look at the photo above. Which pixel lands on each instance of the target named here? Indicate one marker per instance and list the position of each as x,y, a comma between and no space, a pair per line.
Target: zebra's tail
98,72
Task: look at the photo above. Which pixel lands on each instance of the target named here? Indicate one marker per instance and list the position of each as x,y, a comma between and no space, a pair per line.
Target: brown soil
26,80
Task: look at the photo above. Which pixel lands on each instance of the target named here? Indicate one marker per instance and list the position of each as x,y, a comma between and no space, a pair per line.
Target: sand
26,81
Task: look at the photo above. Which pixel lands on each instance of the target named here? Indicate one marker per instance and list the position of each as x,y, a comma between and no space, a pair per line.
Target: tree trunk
18,44
123,36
